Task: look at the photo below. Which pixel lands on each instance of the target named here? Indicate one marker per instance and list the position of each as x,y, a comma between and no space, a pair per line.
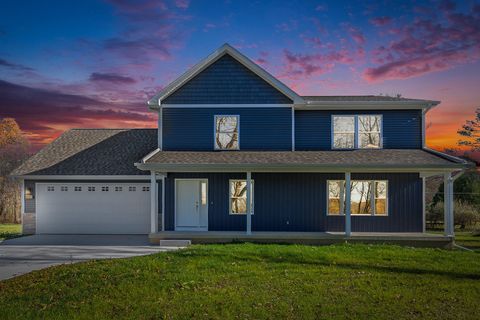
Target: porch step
175,243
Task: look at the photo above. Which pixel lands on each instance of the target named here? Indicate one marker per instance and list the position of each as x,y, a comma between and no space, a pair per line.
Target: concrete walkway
22,255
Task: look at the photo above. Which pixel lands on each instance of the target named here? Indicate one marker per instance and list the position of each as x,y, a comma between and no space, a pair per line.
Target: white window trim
230,198
372,196
356,136
215,131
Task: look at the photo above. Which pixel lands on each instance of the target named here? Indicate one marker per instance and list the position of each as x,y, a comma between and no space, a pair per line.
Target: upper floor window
357,132
226,132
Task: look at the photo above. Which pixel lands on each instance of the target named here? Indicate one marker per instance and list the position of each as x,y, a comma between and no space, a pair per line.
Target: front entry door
191,207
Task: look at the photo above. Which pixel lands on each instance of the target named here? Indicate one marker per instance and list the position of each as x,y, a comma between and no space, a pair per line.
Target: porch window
238,197
368,197
357,132
226,132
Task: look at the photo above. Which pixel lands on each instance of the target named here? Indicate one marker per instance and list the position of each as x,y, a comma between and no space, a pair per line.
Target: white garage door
93,208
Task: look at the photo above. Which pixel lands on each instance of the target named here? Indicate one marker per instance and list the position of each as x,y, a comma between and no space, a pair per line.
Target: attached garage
92,208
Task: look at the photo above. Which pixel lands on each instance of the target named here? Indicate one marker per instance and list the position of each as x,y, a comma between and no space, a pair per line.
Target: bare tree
470,132
13,151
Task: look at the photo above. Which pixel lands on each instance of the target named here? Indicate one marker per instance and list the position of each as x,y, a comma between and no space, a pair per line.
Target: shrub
434,215
466,215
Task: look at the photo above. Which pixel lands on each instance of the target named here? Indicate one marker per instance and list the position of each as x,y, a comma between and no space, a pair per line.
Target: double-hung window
238,197
356,132
368,197
226,132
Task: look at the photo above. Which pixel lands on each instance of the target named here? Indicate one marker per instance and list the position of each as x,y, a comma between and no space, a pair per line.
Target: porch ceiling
368,160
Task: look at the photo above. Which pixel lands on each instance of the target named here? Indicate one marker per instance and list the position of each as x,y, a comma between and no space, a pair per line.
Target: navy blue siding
402,129
267,128
297,202
227,81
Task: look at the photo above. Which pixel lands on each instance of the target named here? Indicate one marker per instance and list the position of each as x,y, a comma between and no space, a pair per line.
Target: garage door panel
93,212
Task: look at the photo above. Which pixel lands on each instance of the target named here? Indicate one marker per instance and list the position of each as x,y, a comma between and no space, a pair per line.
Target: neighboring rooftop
365,159
92,152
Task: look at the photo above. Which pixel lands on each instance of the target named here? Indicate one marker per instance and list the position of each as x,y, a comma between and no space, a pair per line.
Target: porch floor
318,238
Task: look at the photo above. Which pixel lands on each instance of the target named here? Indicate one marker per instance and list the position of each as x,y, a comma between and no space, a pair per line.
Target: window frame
215,131
372,197
230,198
356,135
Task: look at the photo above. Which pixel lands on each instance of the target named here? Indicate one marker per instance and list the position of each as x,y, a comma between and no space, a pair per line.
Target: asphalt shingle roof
365,98
364,158
92,152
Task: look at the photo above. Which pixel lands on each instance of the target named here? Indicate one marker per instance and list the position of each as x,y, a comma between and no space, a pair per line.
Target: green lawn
245,281
468,240
10,230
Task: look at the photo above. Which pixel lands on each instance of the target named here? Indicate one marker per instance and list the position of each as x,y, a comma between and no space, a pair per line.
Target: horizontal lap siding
191,129
402,129
227,81
297,202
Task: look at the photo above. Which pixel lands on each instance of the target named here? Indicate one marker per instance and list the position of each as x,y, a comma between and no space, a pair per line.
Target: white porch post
348,191
449,225
249,209
163,203
153,203
424,211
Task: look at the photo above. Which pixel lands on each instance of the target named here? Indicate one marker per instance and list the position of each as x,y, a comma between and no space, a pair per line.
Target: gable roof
156,100
92,152
365,101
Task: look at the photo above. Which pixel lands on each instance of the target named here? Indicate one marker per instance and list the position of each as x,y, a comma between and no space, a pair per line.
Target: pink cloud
183,4
428,46
380,21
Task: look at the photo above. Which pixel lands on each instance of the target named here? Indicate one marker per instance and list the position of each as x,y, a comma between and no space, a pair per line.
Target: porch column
348,191
249,209
163,203
153,203
448,224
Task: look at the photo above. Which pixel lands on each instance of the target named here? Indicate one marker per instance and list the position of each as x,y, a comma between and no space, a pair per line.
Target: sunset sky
95,63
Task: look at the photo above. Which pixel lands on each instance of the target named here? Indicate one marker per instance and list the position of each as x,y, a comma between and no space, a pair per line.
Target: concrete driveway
22,255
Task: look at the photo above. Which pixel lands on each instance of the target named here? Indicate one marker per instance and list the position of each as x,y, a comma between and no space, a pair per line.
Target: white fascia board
85,177
289,168
449,157
156,101
363,105
209,106
151,154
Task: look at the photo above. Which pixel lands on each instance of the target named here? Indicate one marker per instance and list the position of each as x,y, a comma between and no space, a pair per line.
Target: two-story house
238,151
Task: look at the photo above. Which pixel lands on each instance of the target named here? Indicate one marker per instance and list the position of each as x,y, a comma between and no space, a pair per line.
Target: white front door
191,207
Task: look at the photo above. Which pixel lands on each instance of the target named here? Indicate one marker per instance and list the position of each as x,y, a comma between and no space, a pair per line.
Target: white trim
163,203
230,198
151,154
370,105
441,154
153,203
372,198
85,177
356,133
423,129
272,167
424,211
175,205
22,197
293,128
203,64
215,131
160,129
249,204
348,211
225,106
448,221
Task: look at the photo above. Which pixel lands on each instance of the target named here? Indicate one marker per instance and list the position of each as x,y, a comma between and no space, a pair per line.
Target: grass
244,281
468,240
10,230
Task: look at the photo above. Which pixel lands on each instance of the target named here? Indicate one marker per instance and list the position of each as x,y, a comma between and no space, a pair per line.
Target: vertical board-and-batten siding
267,128
298,202
402,129
227,81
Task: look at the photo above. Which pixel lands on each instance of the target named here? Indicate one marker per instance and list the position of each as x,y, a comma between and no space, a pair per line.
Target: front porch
314,238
